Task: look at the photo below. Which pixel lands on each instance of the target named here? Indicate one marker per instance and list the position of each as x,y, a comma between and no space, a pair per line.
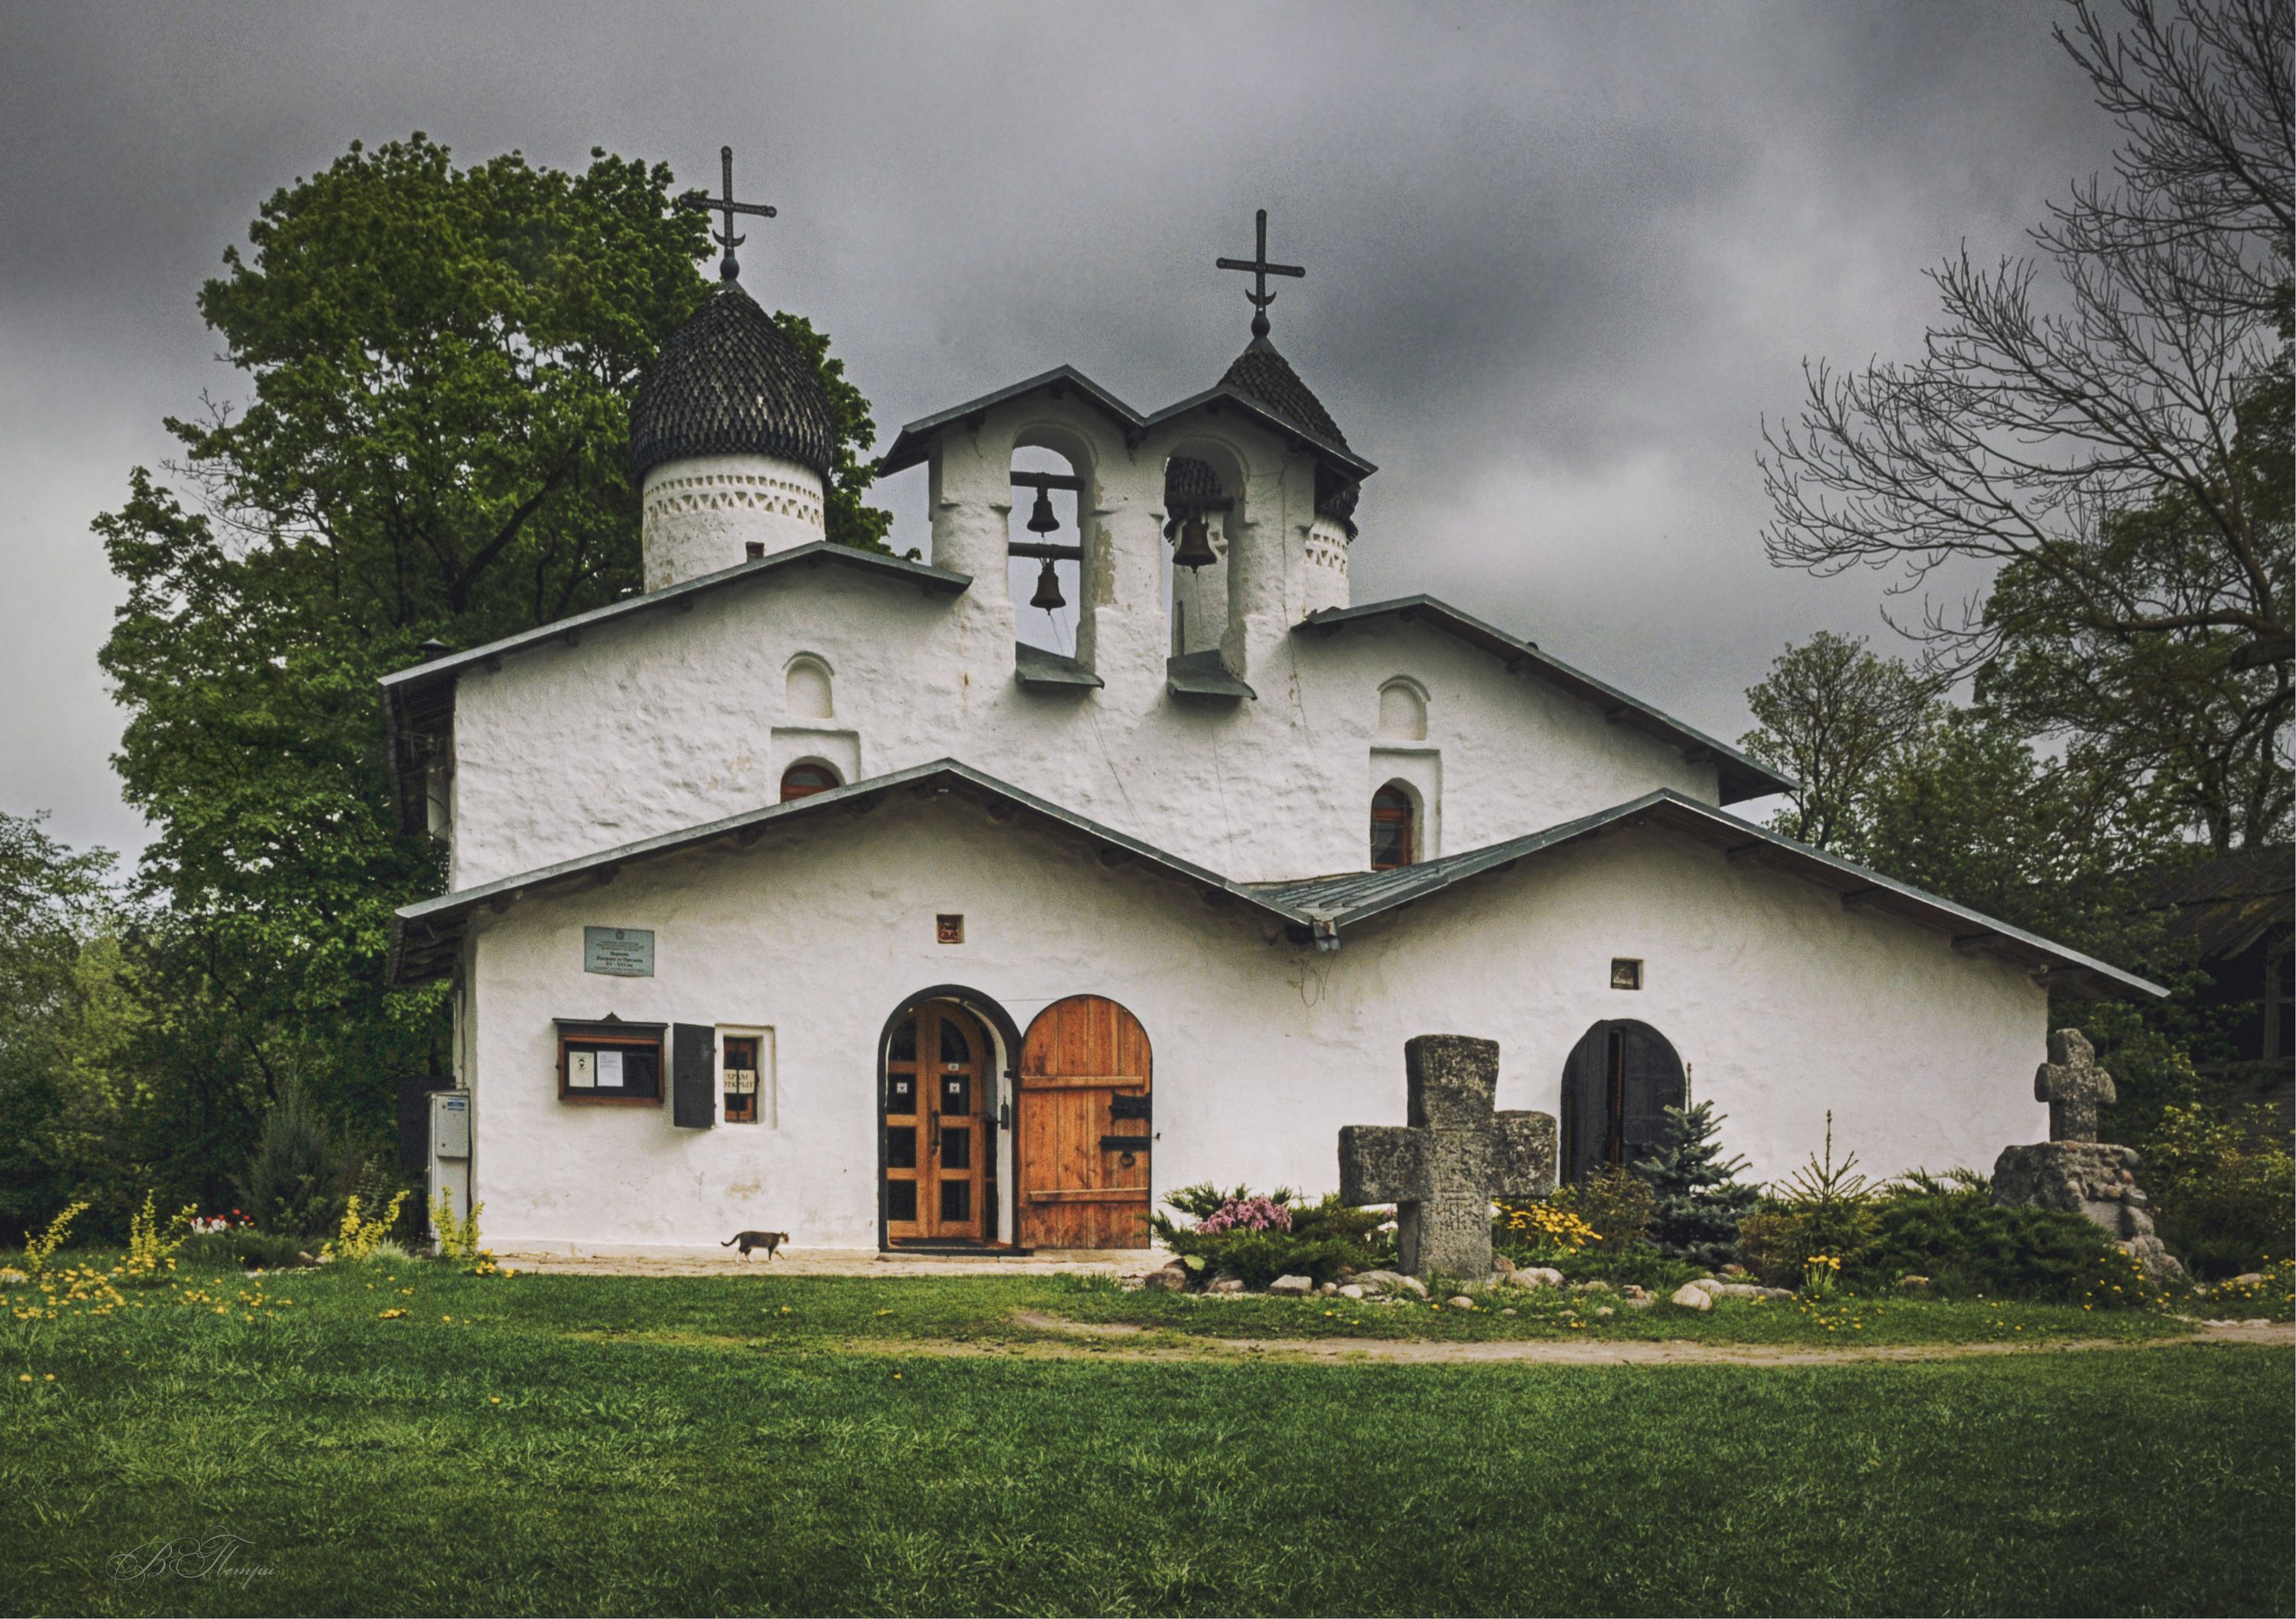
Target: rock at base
1690,1295
1226,1284
1352,1291
1460,1301
2095,1179
1378,1282
1534,1276
1292,1286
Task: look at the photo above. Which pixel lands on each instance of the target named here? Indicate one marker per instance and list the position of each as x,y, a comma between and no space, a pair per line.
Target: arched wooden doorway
1083,1128
939,1125
1621,1078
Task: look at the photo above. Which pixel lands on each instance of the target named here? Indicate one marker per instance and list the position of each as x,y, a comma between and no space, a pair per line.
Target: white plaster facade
687,707
705,512
1785,1004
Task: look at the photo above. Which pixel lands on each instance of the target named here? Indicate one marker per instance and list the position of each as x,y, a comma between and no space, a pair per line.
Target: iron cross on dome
729,269
1259,270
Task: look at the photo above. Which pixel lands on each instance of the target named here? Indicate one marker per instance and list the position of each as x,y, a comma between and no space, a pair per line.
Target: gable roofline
913,443
418,702
1740,777
424,937
1334,904
935,581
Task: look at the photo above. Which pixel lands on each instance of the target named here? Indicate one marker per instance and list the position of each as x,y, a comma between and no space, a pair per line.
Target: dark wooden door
939,1139
1083,1128
1620,1081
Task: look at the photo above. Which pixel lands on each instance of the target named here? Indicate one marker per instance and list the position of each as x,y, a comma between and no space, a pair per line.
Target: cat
771,1241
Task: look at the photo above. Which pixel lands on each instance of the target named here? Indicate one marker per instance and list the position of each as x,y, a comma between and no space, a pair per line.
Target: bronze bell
1048,585
1195,545
1041,519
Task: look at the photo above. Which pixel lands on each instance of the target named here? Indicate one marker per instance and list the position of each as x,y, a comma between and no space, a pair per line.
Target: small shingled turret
731,430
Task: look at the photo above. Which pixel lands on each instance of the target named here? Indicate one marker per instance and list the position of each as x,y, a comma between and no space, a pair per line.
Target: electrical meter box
450,1125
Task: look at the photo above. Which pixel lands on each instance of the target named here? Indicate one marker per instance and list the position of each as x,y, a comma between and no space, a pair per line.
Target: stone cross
2073,1086
1457,1153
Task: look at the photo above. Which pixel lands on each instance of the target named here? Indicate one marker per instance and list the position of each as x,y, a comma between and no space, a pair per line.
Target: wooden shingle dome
731,382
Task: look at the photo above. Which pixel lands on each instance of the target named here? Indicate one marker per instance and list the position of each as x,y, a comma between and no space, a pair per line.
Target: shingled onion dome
1266,376
731,382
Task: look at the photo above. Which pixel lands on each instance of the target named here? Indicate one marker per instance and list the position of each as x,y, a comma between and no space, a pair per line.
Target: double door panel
939,1128
1083,1128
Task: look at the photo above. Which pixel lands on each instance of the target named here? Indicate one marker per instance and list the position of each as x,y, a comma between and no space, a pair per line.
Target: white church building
798,893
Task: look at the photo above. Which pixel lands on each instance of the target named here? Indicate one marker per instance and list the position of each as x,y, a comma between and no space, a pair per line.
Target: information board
626,953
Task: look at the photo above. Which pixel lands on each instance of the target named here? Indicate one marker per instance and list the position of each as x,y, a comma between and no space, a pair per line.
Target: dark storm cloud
1562,257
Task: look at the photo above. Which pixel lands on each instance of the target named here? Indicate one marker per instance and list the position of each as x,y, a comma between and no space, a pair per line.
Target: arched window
1403,711
1394,828
807,689
804,780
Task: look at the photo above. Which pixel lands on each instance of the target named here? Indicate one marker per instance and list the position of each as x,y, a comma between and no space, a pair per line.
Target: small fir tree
1700,1198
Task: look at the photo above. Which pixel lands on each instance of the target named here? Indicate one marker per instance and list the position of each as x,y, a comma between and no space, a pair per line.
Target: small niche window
806,688
611,1062
1625,972
738,1061
1402,711
1394,828
804,780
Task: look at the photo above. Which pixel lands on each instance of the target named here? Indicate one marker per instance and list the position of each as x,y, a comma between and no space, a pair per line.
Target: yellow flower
25,1378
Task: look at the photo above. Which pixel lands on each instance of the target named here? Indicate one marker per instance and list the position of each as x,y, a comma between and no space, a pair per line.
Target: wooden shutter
693,1076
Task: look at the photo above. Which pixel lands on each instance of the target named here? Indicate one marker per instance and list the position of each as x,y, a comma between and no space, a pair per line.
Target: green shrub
1699,1199
299,1177
1777,1241
1967,1246
1618,1204
2222,1188
244,1249
1326,1238
1642,1264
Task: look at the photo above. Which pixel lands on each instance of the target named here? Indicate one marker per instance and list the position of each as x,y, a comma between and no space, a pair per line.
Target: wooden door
940,1138
1083,1128
1617,1086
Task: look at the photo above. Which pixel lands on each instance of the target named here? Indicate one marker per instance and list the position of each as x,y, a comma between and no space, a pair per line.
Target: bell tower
730,431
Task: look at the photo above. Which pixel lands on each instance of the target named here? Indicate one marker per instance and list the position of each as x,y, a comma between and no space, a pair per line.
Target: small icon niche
948,928
1625,972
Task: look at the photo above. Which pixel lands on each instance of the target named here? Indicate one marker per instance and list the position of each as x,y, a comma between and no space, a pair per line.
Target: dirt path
1121,1342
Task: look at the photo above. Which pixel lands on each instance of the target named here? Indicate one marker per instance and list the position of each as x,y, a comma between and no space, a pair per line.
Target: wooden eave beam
1858,899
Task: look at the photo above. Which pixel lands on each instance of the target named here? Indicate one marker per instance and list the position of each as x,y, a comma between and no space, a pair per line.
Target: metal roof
425,936
913,443
936,581
418,702
1740,777
1347,900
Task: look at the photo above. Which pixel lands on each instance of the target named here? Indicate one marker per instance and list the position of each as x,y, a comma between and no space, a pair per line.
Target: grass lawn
806,1446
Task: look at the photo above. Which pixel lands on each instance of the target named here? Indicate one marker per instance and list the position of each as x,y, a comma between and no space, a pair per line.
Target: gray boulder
1690,1295
1292,1286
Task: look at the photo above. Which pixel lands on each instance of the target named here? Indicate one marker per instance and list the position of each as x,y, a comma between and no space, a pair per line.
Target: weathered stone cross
1457,1153
2073,1086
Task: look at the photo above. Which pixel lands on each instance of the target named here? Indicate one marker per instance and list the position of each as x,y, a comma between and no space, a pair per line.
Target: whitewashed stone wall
703,513
664,720
1785,1004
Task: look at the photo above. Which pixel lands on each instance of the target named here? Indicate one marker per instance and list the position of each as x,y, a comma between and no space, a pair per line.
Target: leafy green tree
1699,1198
51,900
1832,715
439,362
2104,431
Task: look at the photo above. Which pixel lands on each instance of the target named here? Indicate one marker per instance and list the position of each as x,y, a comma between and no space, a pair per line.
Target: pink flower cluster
1247,1214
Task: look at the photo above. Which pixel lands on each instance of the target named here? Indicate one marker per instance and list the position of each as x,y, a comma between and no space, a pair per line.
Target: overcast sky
1561,259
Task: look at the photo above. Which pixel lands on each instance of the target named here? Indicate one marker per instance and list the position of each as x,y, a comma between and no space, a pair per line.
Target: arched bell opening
1052,470
1616,1084
946,1069
1203,484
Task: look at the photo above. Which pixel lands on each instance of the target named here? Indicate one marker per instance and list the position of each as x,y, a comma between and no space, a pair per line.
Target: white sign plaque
582,1070
625,952
609,1070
